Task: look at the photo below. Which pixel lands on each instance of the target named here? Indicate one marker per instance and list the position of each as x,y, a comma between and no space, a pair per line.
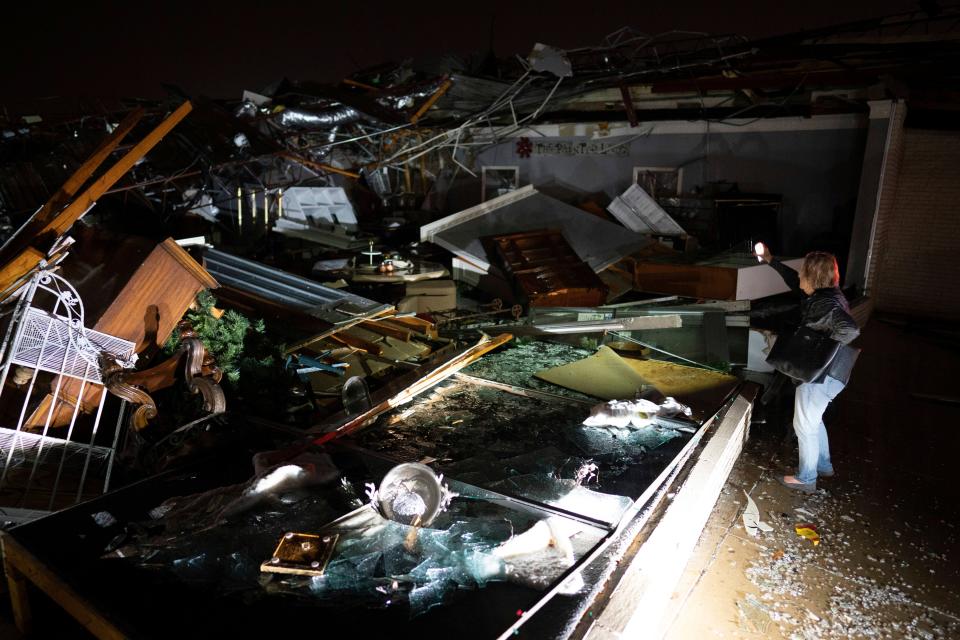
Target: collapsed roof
399,128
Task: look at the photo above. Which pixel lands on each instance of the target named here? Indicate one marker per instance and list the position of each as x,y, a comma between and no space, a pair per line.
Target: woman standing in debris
824,309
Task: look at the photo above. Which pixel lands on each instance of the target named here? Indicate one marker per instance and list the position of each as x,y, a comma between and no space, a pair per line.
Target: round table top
418,270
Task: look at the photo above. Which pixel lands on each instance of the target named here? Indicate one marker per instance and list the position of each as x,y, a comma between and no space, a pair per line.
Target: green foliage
224,337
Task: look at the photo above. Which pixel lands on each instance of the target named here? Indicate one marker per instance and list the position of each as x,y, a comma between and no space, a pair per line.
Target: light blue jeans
810,403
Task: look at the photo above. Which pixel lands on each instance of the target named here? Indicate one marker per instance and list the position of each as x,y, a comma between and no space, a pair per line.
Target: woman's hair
820,269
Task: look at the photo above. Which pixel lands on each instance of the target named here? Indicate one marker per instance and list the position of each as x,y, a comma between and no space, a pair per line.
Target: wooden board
676,379
23,569
146,311
14,271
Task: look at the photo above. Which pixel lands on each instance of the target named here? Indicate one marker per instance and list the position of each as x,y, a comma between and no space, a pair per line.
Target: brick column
886,194
878,185
917,243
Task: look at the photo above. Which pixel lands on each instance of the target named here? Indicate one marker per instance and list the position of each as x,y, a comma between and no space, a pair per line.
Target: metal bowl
410,494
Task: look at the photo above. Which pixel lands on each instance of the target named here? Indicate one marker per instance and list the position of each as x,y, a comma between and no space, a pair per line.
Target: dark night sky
129,48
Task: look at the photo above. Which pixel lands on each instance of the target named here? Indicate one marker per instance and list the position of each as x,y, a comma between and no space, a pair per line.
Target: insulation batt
636,413
271,480
537,539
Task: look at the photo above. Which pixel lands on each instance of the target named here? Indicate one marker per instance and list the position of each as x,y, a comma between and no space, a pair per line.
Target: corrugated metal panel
288,289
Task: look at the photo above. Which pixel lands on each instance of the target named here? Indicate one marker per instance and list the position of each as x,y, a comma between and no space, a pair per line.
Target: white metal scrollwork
50,422
70,301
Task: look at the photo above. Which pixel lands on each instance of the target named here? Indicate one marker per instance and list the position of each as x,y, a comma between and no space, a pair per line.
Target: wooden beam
361,85
19,588
14,272
326,333
345,337
87,169
25,566
25,234
419,325
523,391
88,198
385,329
319,166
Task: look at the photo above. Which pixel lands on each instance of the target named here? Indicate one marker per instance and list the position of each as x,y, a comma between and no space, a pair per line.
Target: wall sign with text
580,148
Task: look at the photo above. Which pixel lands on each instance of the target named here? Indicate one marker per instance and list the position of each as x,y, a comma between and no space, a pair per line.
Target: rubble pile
328,282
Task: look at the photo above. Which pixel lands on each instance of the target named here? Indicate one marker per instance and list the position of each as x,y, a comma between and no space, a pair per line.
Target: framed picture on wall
659,182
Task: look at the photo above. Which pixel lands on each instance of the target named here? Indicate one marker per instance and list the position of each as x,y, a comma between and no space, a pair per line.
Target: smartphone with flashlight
758,250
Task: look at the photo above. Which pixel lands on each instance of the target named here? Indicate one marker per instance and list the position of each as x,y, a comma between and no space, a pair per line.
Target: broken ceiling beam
41,218
319,166
88,198
26,250
14,273
432,100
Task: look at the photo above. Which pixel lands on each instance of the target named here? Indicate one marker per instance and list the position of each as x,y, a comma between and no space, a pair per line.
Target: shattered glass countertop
537,493
483,558
517,363
524,447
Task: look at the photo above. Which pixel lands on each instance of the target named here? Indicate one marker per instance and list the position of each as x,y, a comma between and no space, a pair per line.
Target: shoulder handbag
804,355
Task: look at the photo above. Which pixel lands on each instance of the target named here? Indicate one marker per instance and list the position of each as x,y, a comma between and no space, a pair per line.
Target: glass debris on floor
486,436
377,563
517,364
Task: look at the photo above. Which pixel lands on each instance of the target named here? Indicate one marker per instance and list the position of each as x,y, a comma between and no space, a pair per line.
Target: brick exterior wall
887,196
916,250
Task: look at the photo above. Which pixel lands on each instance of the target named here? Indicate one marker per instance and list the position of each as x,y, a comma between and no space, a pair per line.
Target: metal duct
322,119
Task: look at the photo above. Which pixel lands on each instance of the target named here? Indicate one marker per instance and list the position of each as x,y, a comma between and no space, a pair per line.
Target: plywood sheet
701,389
672,379
602,375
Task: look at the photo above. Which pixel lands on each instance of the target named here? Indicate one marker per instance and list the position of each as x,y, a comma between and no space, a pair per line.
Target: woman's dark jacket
826,310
